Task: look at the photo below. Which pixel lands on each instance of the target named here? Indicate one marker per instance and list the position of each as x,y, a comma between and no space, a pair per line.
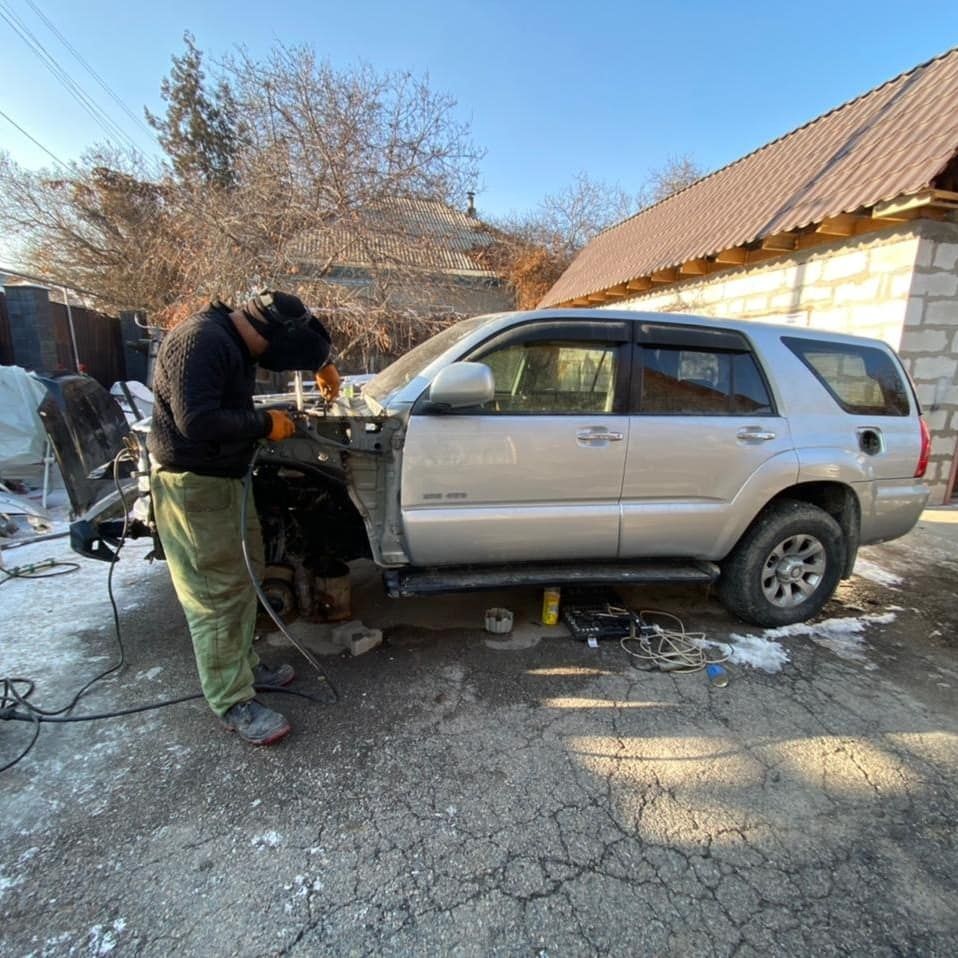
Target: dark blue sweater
203,415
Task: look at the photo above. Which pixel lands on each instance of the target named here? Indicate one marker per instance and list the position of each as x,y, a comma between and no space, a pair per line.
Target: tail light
925,449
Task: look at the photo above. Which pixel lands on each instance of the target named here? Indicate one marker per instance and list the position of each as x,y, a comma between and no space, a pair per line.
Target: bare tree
318,192
675,174
532,250
105,225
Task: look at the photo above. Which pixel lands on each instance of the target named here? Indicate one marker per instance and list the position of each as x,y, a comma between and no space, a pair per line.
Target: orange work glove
280,425
327,382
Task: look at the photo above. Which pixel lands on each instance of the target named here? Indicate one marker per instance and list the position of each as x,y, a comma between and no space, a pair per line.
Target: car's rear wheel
786,566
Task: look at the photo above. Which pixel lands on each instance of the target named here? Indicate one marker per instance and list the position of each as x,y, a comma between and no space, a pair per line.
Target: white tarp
142,397
22,436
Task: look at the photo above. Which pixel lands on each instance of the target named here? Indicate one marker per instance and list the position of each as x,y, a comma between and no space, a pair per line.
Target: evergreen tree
201,129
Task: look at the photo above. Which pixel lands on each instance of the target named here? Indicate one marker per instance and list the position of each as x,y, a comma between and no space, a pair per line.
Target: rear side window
861,379
701,382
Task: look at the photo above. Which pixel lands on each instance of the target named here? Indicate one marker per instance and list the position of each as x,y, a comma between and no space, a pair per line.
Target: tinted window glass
700,382
861,379
553,377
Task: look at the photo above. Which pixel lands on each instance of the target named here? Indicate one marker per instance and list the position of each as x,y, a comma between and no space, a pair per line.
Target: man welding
203,435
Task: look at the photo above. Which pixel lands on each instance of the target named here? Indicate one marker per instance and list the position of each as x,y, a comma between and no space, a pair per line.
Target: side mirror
461,385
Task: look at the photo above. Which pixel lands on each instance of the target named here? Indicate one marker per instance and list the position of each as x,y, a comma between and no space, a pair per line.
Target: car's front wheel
786,566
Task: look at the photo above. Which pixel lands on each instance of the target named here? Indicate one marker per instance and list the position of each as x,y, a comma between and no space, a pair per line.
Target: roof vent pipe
471,209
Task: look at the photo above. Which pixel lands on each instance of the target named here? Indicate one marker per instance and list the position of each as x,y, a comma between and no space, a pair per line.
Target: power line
33,139
89,69
62,76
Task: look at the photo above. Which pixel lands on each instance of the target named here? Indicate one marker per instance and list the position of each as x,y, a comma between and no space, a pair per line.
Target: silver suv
551,447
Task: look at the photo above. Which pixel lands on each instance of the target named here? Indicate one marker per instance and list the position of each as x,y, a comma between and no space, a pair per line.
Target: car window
552,377
861,379
407,367
701,382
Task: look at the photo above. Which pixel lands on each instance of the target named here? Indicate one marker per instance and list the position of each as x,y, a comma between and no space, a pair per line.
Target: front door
537,473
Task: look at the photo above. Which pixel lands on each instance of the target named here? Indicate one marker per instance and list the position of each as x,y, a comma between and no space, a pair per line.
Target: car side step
433,581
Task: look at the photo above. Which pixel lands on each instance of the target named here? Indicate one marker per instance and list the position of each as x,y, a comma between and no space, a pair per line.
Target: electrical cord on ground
668,649
264,601
33,570
15,692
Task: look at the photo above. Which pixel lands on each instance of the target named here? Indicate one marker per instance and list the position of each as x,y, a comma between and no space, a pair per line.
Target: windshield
408,367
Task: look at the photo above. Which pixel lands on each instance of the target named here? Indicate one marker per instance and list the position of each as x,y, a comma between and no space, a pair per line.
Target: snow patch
102,941
756,651
841,636
267,840
875,573
149,675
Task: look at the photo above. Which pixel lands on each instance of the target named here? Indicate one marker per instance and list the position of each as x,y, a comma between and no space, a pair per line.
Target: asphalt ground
479,796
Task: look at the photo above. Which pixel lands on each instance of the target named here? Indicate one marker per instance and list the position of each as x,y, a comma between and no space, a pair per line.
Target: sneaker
266,678
255,723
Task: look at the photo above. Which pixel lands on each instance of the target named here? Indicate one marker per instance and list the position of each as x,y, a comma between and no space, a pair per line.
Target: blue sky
549,89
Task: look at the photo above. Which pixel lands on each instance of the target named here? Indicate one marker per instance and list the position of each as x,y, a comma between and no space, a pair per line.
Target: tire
786,566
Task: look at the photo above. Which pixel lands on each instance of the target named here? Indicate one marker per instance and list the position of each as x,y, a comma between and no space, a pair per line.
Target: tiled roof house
423,250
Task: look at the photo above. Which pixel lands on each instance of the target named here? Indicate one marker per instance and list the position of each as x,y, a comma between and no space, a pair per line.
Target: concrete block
810,272
928,368
713,293
937,419
941,314
946,257
356,638
864,290
756,304
769,281
925,254
935,284
784,302
899,285
733,307
894,256
844,265
926,341
914,311
816,294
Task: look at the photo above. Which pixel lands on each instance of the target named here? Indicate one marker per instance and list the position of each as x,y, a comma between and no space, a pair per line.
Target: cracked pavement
477,797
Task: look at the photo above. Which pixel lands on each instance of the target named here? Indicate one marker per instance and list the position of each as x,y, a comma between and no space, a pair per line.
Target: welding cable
247,486
668,649
15,707
31,571
15,704
10,697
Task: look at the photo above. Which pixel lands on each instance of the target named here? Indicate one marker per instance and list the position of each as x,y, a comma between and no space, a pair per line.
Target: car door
536,474
707,446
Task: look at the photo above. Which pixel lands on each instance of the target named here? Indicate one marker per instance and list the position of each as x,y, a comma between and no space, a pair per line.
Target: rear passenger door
536,474
706,442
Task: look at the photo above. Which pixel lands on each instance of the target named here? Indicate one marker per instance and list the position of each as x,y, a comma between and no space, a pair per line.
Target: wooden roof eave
928,204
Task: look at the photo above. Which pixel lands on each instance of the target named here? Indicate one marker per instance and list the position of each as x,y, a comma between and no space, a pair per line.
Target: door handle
598,434
755,434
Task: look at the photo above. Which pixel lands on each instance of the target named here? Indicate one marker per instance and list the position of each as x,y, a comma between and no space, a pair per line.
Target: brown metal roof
891,141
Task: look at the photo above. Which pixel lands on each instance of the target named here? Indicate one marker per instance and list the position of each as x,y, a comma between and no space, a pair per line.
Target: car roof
754,329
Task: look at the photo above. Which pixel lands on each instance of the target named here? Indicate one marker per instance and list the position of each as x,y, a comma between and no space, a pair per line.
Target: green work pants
199,519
